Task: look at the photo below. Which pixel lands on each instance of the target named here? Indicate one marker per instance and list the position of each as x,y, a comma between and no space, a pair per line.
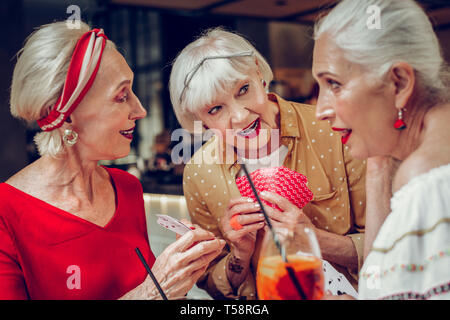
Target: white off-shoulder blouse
410,258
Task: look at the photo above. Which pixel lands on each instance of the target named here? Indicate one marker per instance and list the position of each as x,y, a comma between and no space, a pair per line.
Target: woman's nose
324,109
239,114
137,110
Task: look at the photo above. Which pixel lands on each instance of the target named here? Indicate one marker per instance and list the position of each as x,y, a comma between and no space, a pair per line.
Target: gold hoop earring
70,137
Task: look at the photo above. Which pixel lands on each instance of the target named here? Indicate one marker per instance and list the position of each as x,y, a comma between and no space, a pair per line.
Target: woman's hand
242,241
189,224
289,218
250,218
182,263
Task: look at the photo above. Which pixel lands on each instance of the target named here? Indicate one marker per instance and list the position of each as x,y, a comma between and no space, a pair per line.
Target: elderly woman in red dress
69,227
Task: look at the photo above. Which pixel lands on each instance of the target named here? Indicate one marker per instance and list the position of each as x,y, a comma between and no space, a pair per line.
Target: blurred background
150,33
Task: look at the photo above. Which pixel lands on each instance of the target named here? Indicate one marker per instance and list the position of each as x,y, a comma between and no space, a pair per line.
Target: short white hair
214,75
39,77
406,35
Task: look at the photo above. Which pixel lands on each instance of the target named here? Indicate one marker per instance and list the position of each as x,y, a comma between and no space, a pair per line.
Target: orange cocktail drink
274,283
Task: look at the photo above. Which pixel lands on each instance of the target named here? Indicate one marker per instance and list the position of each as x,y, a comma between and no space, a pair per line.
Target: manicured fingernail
249,200
256,205
261,215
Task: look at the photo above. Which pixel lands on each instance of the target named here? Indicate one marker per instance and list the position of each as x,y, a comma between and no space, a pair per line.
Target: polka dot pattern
336,180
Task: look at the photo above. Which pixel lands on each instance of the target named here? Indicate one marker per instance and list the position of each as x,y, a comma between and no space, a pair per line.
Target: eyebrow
324,73
127,81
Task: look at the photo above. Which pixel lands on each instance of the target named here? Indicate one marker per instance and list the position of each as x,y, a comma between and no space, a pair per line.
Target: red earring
264,83
400,124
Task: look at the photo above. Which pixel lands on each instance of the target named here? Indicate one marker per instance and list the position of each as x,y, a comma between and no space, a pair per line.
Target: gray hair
405,34
39,77
214,75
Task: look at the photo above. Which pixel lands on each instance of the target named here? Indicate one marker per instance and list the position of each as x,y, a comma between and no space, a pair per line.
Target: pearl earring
70,137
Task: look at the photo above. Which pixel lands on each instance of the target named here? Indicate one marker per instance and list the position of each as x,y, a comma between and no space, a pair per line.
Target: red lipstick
252,130
345,134
127,133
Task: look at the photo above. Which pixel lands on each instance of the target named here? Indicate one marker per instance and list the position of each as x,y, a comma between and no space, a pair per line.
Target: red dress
48,253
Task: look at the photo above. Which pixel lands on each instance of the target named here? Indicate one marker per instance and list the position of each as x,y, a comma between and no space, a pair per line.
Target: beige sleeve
356,180
358,241
214,280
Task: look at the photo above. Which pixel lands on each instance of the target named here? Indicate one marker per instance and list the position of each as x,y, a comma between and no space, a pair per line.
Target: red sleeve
12,284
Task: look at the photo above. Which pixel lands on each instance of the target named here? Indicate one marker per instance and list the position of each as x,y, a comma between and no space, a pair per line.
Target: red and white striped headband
83,68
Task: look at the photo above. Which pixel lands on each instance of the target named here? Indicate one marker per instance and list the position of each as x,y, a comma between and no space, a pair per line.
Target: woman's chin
253,152
118,154
256,147
358,153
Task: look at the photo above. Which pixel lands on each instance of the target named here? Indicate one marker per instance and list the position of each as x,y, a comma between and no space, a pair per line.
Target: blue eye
243,89
333,84
214,110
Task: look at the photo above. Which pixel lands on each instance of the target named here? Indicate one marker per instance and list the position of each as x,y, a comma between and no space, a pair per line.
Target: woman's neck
413,136
70,172
429,149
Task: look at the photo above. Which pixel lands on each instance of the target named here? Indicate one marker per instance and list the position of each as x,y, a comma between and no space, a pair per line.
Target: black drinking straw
280,248
161,292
